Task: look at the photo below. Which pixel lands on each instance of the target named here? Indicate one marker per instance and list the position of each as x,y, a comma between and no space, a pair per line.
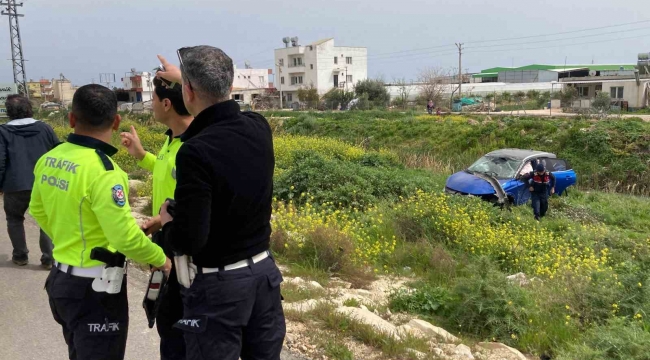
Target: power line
561,45
416,54
563,39
560,33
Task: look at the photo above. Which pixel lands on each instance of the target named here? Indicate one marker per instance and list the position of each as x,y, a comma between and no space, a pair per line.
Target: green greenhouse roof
598,67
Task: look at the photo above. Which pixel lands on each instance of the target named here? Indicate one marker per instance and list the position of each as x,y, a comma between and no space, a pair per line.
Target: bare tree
403,91
432,83
268,99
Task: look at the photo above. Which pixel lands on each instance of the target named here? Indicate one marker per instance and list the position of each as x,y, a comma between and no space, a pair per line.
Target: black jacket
539,187
224,174
22,143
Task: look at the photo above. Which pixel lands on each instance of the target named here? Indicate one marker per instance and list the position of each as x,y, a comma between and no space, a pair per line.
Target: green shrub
488,306
376,92
424,299
346,183
619,339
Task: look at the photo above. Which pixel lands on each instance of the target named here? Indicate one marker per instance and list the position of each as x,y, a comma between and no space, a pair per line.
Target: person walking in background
23,140
541,184
430,107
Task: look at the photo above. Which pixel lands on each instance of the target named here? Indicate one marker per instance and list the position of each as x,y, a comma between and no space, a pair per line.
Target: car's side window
526,169
557,165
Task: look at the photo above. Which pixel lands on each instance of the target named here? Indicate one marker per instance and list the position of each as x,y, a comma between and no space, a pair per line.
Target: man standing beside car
540,182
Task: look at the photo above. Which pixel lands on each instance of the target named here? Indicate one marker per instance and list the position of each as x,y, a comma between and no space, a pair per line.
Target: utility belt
186,271
108,278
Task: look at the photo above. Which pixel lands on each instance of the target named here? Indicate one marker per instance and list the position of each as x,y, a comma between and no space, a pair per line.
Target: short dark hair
94,106
209,69
175,95
18,107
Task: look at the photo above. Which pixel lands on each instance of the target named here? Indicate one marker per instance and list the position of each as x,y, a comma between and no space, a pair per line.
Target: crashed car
494,177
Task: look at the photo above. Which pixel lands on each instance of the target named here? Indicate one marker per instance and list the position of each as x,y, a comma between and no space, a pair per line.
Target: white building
139,85
320,64
630,93
250,83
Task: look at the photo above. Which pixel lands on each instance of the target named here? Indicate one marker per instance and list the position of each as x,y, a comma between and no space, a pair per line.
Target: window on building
289,97
282,80
336,60
297,61
583,91
616,92
261,79
311,66
281,62
296,80
249,76
348,78
238,97
348,60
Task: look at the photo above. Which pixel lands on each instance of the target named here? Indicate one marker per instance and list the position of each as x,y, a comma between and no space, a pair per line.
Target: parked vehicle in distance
50,106
501,168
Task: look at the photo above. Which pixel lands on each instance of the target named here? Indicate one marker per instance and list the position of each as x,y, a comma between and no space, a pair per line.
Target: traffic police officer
80,199
223,202
168,109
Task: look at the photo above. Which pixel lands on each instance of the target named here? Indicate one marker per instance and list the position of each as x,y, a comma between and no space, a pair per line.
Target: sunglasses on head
180,52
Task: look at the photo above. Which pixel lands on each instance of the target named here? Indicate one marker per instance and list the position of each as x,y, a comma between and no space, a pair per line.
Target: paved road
27,330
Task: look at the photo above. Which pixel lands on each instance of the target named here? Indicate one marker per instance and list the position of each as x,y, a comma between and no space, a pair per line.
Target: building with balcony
139,85
321,65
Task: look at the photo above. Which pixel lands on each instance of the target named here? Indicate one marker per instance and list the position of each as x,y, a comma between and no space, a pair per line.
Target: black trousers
95,325
15,206
234,314
172,340
539,204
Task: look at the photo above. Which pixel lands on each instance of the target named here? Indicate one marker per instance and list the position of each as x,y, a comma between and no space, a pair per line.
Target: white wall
358,70
481,89
251,79
631,91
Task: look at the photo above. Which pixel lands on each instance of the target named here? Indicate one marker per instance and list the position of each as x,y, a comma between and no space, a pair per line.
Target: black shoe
20,261
537,218
47,265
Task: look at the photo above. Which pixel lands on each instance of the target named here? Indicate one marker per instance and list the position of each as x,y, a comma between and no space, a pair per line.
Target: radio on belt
113,272
184,272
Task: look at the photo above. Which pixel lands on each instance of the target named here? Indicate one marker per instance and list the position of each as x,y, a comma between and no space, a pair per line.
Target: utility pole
460,68
17,59
280,80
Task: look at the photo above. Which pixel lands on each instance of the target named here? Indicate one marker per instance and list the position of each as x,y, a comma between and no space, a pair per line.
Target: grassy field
359,194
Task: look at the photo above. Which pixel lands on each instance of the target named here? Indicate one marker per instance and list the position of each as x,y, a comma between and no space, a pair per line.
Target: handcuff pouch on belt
113,271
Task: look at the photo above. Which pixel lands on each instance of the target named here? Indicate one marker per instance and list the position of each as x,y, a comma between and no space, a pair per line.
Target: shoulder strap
108,164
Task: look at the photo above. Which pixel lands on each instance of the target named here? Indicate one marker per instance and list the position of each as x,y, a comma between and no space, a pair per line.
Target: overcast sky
82,40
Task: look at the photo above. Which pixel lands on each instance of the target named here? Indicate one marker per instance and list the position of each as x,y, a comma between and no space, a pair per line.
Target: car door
565,176
520,193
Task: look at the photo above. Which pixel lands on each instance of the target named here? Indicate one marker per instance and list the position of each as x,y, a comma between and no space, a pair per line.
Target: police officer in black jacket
541,184
224,172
